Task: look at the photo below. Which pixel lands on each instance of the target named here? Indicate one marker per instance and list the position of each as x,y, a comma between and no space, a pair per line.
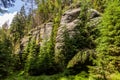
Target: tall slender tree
5,54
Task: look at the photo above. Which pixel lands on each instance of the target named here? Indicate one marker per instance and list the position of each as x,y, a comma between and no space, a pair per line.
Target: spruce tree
18,24
5,54
32,52
108,49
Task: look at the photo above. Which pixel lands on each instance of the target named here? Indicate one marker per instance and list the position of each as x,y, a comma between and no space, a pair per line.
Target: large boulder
69,22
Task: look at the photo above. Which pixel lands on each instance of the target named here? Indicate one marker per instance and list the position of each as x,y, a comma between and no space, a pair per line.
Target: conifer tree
5,54
17,28
30,57
108,49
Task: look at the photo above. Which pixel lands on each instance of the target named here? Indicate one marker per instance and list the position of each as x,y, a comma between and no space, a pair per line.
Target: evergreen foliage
5,55
78,49
46,61
18,26
48,9
32,54
100,5
95,46
108,48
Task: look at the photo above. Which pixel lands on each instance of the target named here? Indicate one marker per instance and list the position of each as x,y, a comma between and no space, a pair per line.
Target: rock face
40,33
69,22
46,30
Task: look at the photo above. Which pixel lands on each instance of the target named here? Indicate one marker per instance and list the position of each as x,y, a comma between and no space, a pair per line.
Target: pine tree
5,54
17,28
31,51
45,59
108,49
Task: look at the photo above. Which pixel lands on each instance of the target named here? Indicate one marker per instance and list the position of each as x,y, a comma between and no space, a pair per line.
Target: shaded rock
69,22
46,30
40,33
70,15
94,13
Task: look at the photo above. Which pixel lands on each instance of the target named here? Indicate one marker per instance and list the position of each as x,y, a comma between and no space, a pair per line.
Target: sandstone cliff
69,21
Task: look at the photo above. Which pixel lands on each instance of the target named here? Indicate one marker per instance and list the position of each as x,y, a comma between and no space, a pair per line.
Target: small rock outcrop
40,33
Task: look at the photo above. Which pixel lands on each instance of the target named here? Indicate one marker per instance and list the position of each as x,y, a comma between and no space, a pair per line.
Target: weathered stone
25,40
70,15
94,13
46,31
39,33
69,22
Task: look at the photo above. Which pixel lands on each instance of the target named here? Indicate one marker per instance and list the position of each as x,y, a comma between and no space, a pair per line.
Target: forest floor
61,76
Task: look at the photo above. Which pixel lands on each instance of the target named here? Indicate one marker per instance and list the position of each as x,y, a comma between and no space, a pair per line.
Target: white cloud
7,17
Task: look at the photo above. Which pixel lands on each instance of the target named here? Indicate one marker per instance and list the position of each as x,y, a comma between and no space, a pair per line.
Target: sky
7,17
